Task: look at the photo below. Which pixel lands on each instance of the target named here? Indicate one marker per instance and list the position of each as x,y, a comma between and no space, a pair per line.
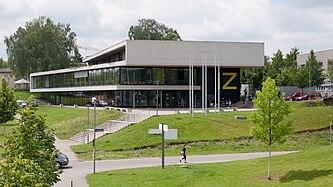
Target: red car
294,96
310,96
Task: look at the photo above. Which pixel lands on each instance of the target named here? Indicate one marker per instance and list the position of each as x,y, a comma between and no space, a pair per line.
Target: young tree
31,141
150,29
40,46
272,110
8,106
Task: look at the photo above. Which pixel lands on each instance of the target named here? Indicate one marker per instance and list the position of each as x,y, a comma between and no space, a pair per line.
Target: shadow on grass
304,175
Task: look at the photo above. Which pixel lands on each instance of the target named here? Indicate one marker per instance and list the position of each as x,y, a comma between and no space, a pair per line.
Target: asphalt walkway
77,170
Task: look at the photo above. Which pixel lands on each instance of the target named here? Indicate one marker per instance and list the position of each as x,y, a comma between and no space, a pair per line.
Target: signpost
331,132
169,134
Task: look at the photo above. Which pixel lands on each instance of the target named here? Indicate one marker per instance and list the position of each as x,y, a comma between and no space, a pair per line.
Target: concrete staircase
112,126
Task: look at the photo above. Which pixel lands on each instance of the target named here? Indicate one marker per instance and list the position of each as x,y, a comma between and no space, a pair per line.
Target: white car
21,103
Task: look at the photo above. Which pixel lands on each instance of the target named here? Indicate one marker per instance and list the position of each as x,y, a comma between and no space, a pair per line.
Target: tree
302,77
3,64
31,141
277,65
149,29
40,46
17,171
8,106
255,76
330,69
287,76
315,70
272,109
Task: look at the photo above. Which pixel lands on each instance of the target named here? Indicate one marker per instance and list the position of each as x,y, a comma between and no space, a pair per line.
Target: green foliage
31,141
17,171
330,69
302,77
8,104
272,109
40,46
315,70
150,29
3,64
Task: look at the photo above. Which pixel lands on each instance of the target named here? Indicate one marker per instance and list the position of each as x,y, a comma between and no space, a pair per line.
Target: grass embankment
67,122
307,168
209,134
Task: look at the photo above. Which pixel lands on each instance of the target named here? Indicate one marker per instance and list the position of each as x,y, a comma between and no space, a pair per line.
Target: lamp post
156,98
94,141
88,123
309,95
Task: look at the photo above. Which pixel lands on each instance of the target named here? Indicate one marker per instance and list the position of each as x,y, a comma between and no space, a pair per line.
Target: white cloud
281,24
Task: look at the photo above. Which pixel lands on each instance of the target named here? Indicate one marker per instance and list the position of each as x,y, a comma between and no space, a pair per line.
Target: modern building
141,73
7,74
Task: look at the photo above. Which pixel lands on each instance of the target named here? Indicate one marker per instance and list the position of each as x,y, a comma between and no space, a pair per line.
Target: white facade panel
179,53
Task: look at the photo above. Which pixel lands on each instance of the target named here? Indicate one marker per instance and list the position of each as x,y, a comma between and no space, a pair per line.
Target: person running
183,153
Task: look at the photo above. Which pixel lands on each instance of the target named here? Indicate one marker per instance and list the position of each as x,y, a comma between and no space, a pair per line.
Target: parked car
294,96
34,103
310,96
21,103
61,160
102,103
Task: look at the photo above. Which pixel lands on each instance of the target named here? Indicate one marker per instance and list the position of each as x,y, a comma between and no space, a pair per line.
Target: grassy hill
306,168
65,121
210,134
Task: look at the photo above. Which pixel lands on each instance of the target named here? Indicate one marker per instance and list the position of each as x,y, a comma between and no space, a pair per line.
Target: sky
280,24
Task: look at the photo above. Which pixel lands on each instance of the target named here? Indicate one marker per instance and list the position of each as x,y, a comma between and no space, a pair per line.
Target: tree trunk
269,162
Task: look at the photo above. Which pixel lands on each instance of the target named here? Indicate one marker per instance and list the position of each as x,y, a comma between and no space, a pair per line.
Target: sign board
80,74
154,131
171,134
165,127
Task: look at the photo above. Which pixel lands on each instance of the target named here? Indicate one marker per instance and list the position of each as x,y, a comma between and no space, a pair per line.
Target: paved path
77,170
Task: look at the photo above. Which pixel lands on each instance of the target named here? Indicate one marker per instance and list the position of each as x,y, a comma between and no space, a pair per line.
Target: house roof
22,81
5,70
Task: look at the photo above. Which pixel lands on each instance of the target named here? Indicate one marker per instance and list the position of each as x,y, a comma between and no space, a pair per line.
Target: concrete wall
181,53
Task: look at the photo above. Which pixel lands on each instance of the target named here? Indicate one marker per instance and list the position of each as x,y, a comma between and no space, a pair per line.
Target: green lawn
207,134
307,168
67,122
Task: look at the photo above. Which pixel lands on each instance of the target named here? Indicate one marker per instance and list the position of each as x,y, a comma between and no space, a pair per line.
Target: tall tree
150,29
315,70
32,142
3,64
277,65
8,105
255,76
302,77
330,69
40,46
272,109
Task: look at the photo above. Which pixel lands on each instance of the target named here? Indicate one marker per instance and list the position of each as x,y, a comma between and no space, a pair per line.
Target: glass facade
138,76
115,76
129,99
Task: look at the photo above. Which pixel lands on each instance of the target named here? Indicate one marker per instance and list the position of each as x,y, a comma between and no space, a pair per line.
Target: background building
139,73
322,56
6,73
